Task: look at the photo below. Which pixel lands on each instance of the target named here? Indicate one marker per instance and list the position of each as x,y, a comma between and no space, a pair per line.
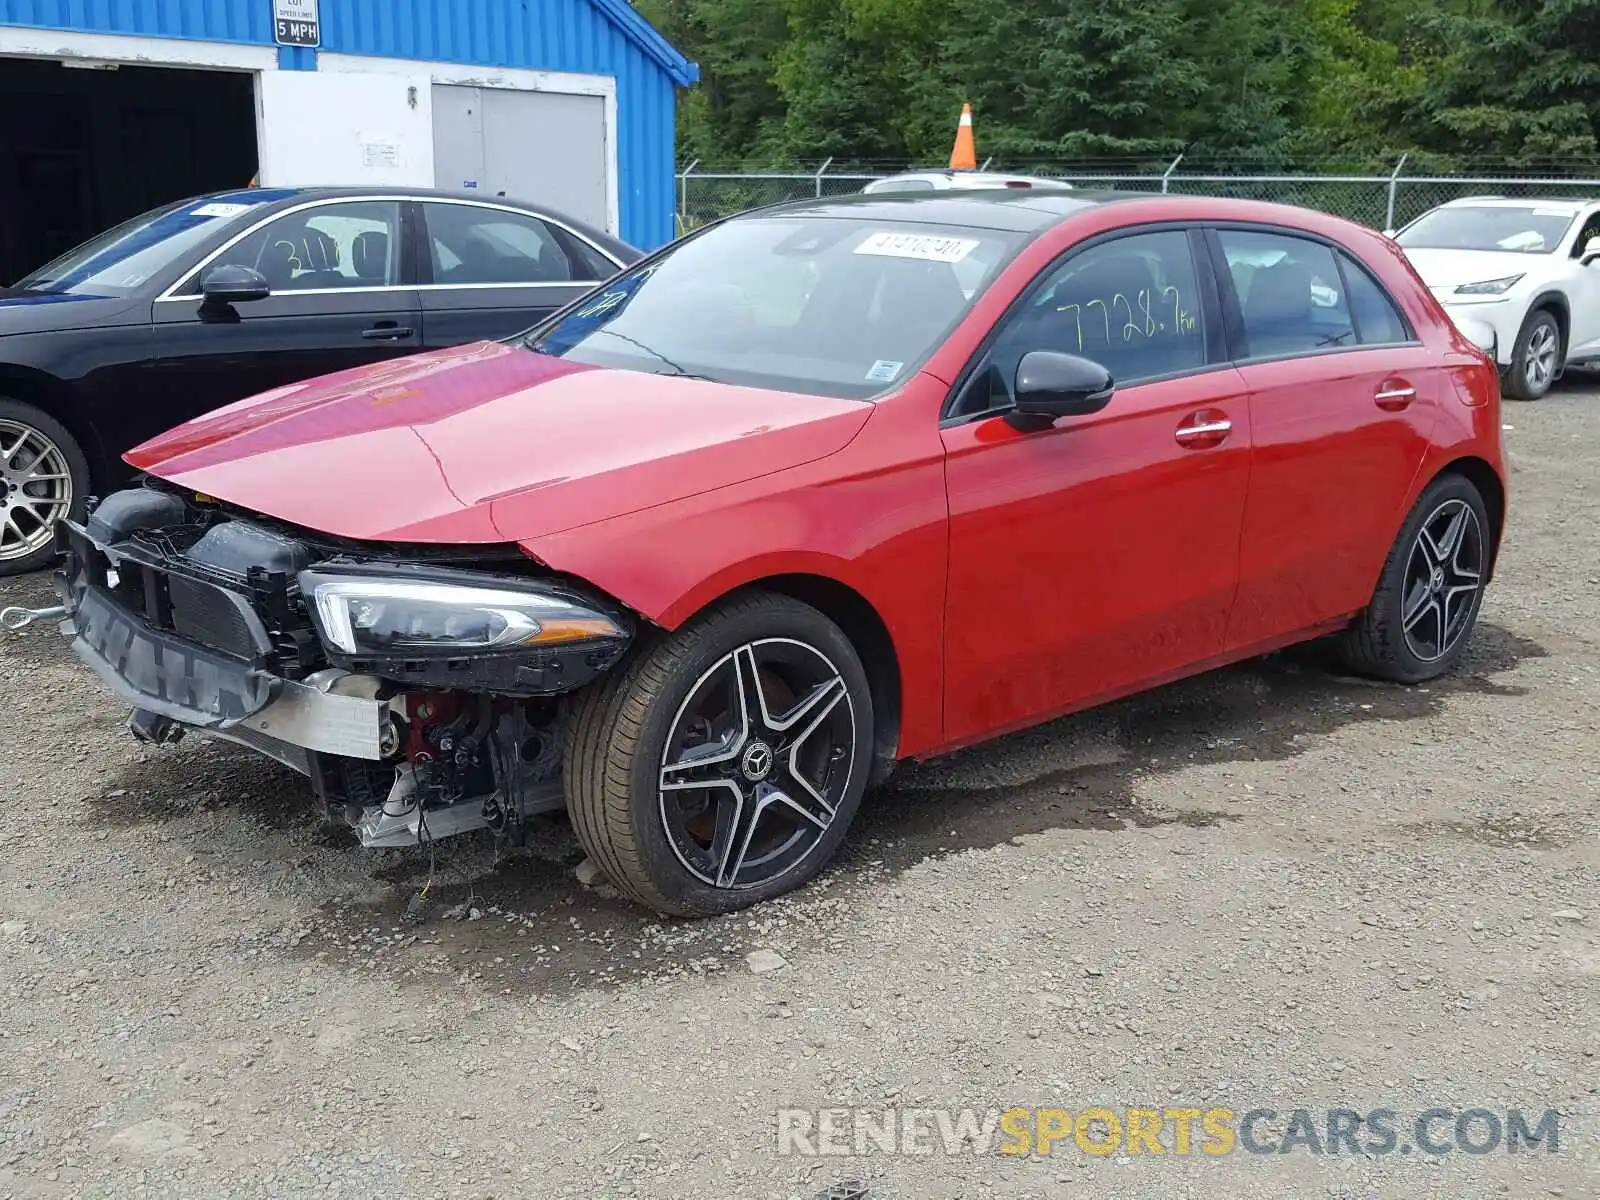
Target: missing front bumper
165,675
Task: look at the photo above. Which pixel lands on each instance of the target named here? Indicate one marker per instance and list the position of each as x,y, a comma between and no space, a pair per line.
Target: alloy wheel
757,760
1540,365
35,489
1443,577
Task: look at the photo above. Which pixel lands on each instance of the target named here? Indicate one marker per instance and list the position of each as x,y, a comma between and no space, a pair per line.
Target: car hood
1451,268
42,312
489,442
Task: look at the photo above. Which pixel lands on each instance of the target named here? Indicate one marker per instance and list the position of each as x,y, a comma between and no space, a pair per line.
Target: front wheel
1536,358
1431,588
724,764
43,477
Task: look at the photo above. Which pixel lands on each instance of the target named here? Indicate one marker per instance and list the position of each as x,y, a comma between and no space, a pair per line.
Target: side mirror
1591,251
231,284
1051,385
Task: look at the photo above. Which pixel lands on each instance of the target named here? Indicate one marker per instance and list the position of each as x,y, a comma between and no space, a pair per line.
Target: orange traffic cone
964,156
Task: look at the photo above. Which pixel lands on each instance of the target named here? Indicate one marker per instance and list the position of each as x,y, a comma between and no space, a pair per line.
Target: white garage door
380,137
537,146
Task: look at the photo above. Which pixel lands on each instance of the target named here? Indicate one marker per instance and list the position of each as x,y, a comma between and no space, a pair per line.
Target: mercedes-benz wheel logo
756,762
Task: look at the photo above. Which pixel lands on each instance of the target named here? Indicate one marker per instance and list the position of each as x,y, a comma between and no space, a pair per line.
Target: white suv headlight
1489,287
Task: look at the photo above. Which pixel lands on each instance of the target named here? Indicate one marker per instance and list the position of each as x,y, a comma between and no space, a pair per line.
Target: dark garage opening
82,148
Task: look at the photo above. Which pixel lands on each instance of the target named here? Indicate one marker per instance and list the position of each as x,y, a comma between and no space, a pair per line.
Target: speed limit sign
296,23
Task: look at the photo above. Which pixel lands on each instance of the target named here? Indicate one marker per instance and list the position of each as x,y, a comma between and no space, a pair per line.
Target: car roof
267,200
1568,203
1007,209
959,178
1031,213
299,194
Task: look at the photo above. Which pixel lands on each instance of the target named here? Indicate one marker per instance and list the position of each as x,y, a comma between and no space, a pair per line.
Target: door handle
1203,430
1394,396
387,333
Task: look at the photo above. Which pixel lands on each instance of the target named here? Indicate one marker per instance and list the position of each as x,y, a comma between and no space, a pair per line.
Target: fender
1473,433
57,398
879,530
1552,298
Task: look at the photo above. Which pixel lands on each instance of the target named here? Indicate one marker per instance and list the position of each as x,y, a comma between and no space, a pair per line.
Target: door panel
1586,313
1337,446
203,363
1584,297
335,271
1340,415
1102,552
452,316
1093,555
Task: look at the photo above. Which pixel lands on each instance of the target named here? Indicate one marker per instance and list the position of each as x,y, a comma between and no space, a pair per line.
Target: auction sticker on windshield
918,245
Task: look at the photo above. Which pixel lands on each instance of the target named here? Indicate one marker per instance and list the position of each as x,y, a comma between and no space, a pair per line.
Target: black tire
625,725
1540,330
16,531
1378,642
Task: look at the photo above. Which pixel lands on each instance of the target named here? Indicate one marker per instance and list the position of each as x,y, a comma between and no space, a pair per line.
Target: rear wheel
1536,358
1428,596
43,477
725,764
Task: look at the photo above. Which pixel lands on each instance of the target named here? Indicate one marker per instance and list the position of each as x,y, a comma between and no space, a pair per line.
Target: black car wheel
43,477
1428,596
725,764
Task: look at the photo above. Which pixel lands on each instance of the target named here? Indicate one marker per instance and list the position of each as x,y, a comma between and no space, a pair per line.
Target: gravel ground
1266,887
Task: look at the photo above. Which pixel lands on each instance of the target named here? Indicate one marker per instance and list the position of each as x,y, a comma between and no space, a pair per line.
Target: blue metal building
568,102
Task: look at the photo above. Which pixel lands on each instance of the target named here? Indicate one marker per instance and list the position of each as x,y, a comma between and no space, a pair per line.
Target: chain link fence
1380,201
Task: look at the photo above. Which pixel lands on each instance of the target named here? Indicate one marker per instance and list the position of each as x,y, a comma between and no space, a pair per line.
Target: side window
488,245
1378,322
587,261
1132,305
1290,293
1591,229
330,246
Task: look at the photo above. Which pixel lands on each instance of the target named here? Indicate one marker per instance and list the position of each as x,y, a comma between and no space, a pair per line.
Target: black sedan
198,304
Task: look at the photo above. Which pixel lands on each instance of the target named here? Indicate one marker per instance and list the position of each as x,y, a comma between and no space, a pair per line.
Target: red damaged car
815,490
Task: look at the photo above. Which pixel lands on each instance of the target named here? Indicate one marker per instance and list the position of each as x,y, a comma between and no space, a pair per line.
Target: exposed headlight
1489,287
386,615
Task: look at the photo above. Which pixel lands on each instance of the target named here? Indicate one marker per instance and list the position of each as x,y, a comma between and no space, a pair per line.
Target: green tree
736,110
855,74
1517,80
1060,78
1253,83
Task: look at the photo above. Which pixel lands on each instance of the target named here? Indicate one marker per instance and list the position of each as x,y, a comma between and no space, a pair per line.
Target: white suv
1529,269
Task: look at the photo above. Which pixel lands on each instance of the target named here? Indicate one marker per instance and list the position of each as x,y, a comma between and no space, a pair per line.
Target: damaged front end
421,690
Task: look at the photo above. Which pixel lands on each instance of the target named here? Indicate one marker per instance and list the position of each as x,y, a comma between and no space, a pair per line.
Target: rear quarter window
1377,318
